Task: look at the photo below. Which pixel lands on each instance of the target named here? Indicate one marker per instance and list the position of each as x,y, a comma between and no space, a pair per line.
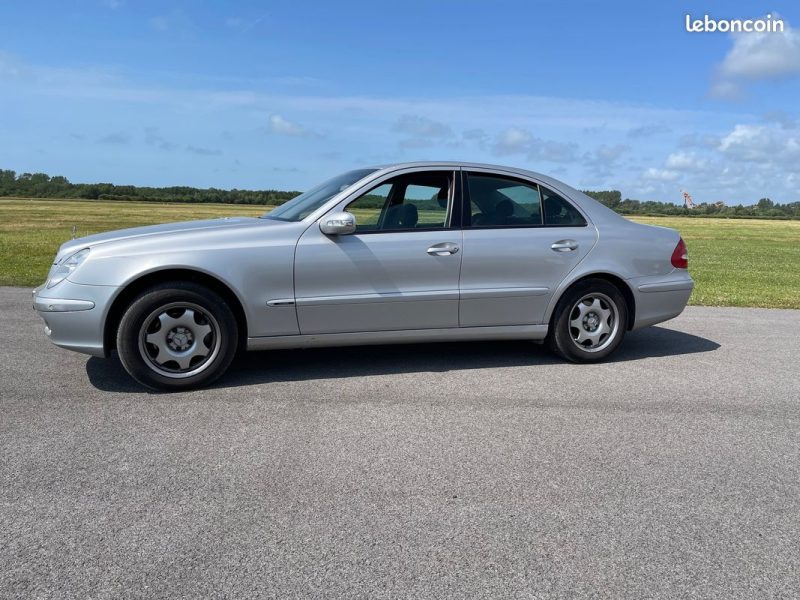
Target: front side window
406,202
501,202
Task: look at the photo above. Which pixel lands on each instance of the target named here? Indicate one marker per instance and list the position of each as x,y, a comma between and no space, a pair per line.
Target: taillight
680,256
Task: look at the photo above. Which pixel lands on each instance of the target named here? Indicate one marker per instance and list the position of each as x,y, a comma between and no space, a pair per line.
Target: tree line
763,209
40,185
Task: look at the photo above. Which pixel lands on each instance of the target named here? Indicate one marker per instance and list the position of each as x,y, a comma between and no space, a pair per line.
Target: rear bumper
660,298
74,315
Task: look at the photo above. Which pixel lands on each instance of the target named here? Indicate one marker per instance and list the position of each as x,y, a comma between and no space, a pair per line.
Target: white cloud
513,141
685,161
749,161
608,155
654,174
761,144
763,55
282,126
553,151
757,57
422,127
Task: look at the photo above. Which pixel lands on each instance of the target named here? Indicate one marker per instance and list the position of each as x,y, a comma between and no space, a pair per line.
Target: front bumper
74,315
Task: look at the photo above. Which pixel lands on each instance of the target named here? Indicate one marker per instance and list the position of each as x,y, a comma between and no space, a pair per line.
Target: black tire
194,319
563,337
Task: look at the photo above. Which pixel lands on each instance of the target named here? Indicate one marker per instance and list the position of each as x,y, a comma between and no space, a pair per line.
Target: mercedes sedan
414,252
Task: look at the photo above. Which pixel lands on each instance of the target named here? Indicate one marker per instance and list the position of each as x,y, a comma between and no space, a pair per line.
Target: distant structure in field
687,200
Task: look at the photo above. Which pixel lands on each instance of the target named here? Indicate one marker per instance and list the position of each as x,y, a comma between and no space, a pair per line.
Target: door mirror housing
340,223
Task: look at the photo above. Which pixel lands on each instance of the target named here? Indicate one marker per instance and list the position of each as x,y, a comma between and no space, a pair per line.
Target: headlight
62,269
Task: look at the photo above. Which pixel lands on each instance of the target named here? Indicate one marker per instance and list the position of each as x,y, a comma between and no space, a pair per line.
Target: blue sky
283,94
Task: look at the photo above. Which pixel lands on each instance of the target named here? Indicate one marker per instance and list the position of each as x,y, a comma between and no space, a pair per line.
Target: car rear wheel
177,336
589,322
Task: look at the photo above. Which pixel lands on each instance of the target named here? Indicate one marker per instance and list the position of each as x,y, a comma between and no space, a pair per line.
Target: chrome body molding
400,336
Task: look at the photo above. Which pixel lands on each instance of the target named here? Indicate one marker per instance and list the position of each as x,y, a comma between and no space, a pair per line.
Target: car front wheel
589,322
177,336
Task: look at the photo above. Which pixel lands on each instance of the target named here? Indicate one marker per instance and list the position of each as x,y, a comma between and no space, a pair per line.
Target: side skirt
405,336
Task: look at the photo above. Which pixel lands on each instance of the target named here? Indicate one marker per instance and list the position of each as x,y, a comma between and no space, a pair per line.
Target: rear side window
500,202
558,212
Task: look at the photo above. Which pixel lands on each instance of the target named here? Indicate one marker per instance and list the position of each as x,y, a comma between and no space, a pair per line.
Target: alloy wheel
593,322
179,340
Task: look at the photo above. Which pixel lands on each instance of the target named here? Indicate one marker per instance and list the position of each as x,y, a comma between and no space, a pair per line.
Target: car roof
555,183
459,164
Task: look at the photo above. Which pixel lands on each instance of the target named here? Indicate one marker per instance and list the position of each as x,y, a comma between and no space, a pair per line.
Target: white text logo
707,24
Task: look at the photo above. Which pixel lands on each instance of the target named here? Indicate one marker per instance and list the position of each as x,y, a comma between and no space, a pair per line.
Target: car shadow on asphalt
358,361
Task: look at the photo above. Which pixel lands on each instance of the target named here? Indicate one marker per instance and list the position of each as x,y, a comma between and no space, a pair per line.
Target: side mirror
341,223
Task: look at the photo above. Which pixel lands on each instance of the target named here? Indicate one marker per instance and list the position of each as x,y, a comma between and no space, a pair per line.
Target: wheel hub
180,338
593,322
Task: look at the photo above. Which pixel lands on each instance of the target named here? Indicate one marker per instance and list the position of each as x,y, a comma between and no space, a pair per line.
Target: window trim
466,214
453,217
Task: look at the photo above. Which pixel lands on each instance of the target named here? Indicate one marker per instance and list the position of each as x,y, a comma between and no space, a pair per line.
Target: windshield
299,207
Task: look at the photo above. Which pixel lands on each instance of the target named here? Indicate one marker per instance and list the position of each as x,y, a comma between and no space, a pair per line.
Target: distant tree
765,204
92,192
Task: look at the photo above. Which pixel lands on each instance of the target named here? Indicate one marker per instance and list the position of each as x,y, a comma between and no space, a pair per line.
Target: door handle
564,245
444,249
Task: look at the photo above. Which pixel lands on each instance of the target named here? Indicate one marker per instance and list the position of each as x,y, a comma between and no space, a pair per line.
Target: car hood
153,230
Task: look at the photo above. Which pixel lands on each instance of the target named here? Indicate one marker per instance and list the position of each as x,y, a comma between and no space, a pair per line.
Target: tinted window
415,201
559,212
500,202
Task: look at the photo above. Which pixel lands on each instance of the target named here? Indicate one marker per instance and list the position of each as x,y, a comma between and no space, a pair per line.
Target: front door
399,270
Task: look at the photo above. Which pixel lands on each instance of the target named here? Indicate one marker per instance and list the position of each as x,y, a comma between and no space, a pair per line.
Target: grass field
733,262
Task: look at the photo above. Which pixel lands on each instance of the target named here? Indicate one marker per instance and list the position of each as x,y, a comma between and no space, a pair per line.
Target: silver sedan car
414,252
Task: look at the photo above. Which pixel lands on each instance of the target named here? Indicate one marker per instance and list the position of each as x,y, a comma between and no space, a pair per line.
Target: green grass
740,262
32,230
734,262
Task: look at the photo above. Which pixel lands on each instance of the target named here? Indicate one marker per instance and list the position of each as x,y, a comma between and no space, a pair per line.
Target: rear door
521,240
399,270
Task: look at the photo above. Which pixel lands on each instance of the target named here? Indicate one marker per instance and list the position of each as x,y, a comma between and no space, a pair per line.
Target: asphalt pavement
427,471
